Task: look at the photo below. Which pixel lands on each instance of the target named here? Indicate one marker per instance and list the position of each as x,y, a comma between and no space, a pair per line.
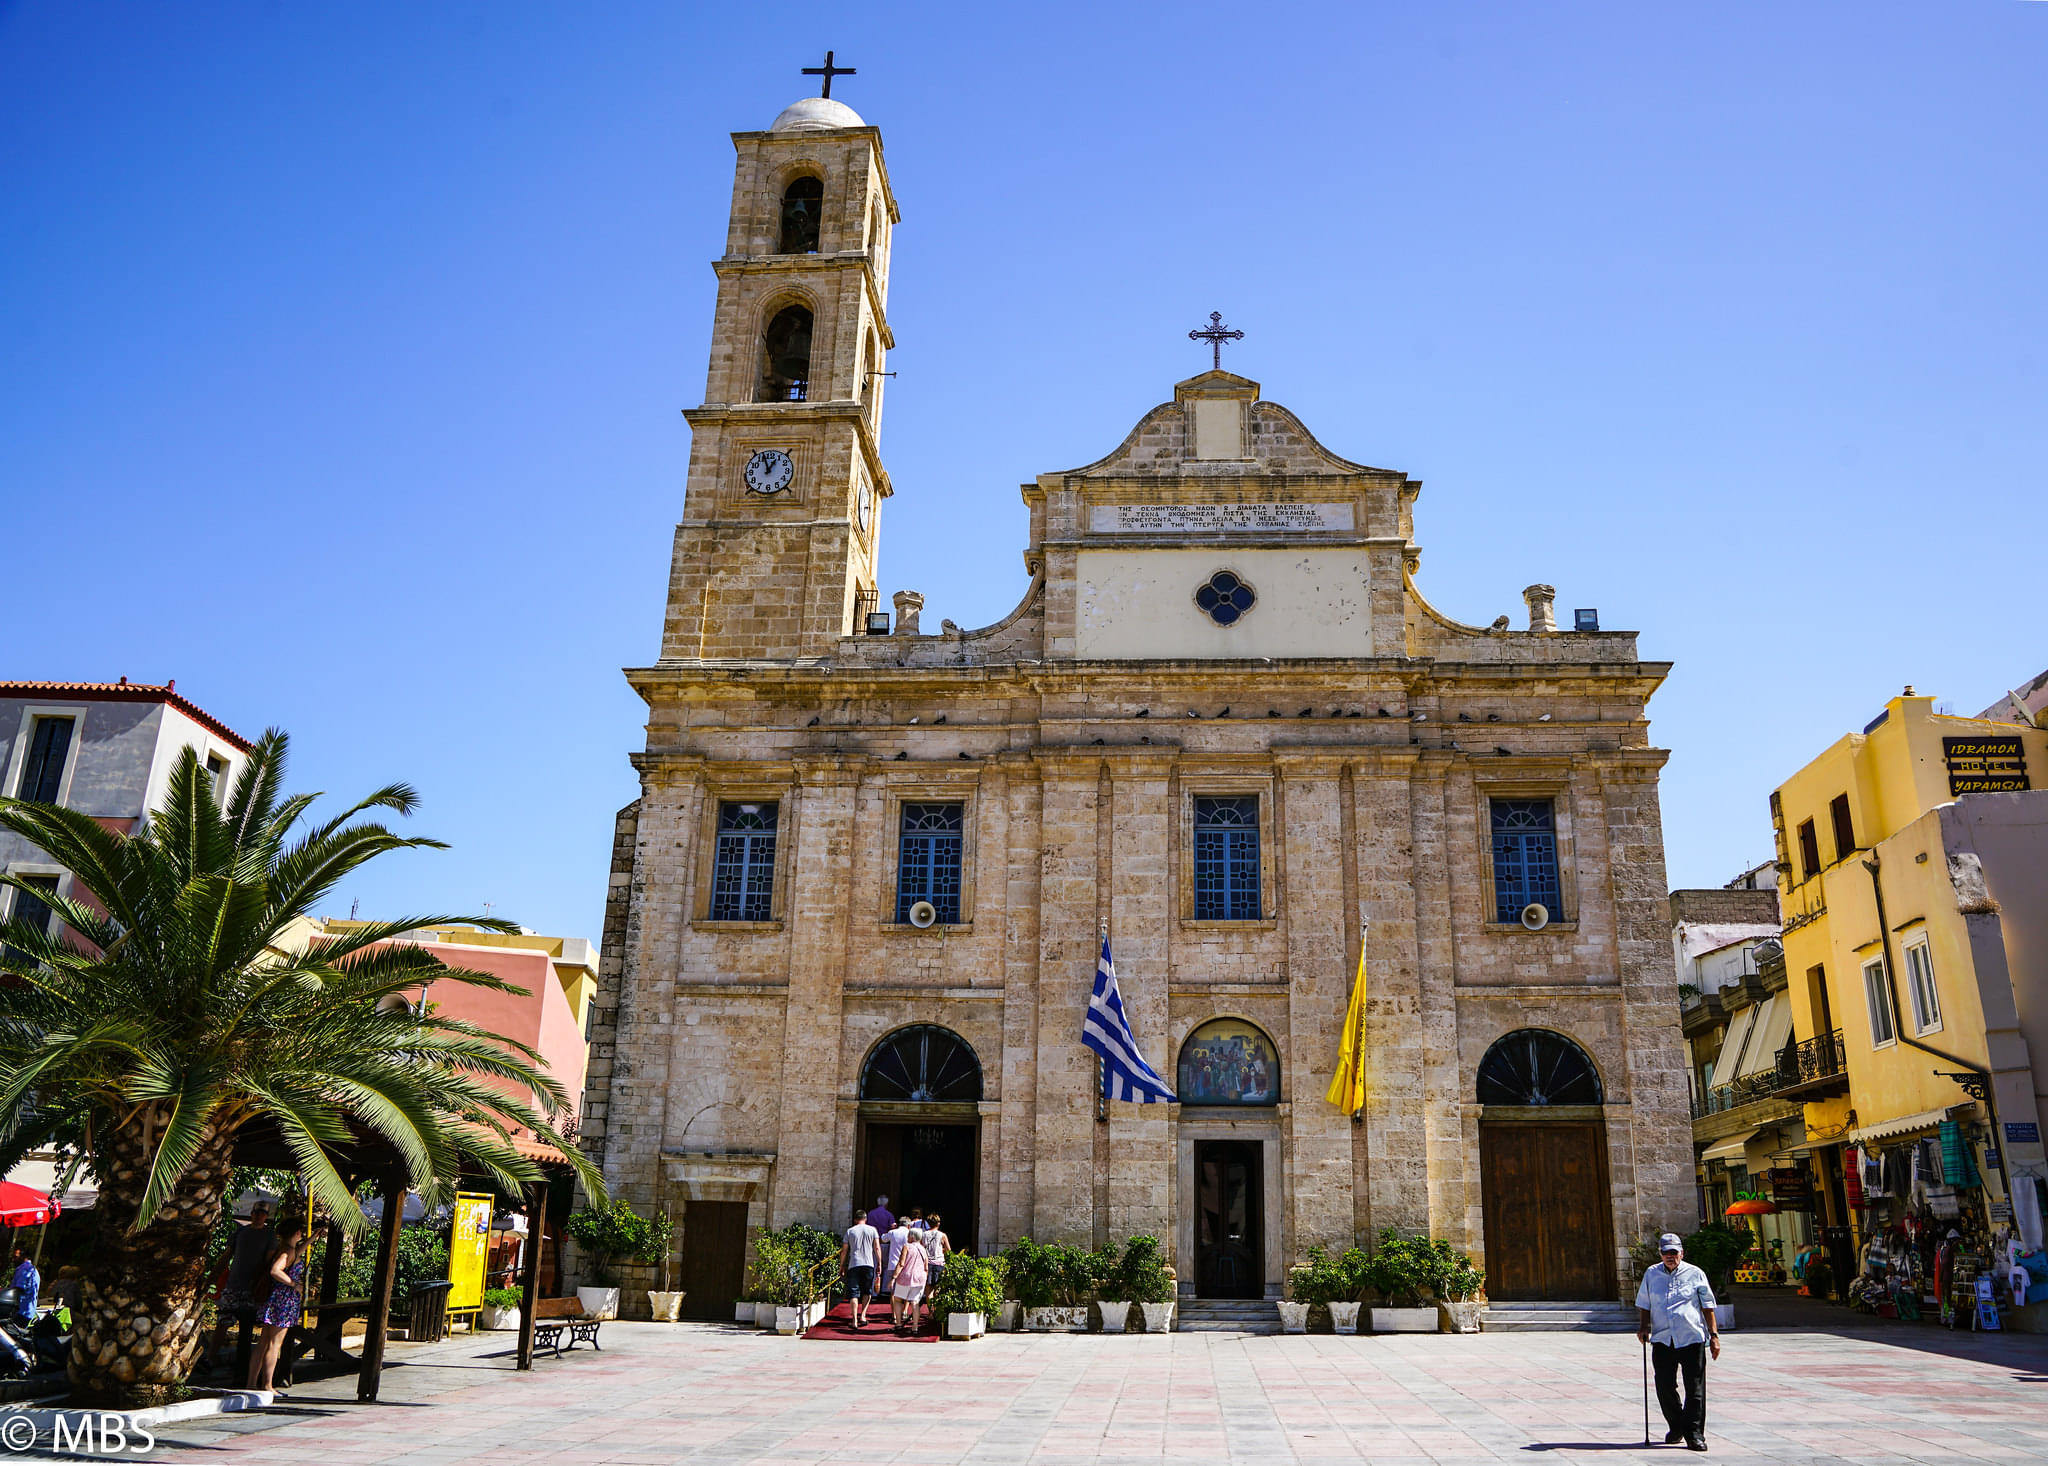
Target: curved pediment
1217,423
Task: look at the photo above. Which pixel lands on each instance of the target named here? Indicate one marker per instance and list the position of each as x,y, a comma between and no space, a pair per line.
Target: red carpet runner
838,1324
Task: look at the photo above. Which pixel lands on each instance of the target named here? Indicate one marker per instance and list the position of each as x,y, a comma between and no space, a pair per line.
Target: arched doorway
1544,1194
1228,1064
920,1128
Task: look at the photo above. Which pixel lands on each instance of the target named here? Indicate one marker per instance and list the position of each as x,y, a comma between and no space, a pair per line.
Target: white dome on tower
815,114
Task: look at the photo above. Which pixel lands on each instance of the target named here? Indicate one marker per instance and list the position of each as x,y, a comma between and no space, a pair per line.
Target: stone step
1580,1318
1227,1316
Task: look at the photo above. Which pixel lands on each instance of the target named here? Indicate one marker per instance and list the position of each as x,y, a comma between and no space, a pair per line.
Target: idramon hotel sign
1991,765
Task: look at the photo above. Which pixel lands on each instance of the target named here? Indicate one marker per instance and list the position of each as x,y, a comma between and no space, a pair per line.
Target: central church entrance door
920,1129
1229,1189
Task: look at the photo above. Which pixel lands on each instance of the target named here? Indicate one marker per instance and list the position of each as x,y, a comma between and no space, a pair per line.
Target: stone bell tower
775,555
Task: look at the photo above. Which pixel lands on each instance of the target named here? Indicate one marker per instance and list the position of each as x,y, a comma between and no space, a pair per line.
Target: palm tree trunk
135,1334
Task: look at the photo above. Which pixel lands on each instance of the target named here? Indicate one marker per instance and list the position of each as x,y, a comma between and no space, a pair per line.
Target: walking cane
1646,1392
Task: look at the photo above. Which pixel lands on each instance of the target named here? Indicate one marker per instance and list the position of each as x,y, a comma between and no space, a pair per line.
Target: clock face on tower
864,505
769,471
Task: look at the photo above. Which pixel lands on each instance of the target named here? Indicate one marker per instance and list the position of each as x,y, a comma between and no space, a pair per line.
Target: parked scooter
30,1347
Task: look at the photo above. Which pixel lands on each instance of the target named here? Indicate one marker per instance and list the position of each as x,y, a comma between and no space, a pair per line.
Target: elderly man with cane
1675,1318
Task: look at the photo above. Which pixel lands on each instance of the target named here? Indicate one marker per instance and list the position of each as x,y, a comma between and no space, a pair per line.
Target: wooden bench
548,1336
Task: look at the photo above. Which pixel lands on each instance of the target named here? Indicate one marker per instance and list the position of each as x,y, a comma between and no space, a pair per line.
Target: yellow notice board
468,1242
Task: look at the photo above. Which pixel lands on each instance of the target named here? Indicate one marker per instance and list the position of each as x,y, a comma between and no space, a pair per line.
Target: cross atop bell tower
775,555
828,71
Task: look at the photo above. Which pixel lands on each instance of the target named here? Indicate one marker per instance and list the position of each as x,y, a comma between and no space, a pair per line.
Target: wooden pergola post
529,1285
392,1190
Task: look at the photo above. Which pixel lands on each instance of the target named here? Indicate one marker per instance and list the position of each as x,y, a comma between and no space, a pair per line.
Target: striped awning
1730,1149
1903,1125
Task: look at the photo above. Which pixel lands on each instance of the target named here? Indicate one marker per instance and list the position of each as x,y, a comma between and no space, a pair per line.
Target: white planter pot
1006,1316
488,1317
1404,1321
1463,1317
764,1315
819,1307
664,1306
743,1311
1344,1317
1724,1315
1114,1316
1158,1317
793,1318
966,1325
1293,1316
1061,1320
599,1302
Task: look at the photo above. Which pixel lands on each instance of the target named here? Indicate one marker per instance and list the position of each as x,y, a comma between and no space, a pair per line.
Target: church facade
856,911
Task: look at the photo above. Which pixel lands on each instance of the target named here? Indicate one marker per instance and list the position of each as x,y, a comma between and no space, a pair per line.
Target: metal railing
1815,1058
1744,1091
1798,1063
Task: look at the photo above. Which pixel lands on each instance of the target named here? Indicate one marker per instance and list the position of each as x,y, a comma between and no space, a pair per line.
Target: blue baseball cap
1670,1242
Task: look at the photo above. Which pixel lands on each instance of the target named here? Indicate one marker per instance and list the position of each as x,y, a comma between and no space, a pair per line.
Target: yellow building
1913,881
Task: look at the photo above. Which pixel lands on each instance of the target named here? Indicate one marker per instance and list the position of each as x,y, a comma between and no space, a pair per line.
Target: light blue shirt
1674,1298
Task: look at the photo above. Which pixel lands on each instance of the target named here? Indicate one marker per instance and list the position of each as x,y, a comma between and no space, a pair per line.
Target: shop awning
1730,1149
1903,1125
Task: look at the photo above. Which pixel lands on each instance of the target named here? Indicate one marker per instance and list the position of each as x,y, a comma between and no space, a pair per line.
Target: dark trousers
1689,1418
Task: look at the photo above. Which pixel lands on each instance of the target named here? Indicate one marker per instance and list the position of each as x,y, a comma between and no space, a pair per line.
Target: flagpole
1101,1079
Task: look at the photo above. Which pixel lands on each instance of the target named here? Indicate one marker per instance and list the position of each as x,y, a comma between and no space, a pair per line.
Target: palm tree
175,1017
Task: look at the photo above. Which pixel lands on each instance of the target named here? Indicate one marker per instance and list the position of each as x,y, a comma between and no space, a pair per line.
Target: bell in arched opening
803,207
786,356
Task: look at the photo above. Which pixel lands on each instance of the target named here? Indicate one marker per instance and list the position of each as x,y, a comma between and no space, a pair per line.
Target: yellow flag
1347,1089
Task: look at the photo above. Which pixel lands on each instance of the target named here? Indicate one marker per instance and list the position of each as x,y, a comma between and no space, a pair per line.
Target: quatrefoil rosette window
1224,597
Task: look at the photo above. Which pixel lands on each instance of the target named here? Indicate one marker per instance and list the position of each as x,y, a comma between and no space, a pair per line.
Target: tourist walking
906,1294
859,1255
248,1258
286,1304
881,1218
938,1246
1675,1317
893,1242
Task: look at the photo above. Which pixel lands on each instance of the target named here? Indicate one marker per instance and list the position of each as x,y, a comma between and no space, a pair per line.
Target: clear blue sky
342,347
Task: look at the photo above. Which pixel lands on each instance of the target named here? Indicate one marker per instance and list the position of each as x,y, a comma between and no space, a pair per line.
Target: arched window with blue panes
928,860
743,865
1227,859
1525,858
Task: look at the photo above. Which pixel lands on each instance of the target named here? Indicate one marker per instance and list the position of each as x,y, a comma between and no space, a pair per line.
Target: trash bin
429,1321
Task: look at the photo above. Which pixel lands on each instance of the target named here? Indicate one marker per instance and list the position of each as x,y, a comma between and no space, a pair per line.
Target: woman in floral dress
286,1304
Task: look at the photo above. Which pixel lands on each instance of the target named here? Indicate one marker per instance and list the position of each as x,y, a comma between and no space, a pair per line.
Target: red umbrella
1751,1209
22,1206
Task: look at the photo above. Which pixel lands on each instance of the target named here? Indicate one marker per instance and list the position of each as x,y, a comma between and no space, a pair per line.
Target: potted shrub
1147,1281
1318,1282
500,1309
1399,1273
808,1265
608,1235
1459,1286
970,1289
1050,1281
1716,1250
1105,1267
663,1306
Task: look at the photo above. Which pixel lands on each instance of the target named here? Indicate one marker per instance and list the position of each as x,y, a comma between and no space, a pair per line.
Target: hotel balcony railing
1746,1090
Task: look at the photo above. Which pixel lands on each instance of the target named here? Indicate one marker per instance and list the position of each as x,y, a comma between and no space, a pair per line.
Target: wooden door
1229,1206
1549,1223
714,1257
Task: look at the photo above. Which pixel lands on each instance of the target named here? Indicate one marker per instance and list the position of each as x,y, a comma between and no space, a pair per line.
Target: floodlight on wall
1535,916
923,914
878,623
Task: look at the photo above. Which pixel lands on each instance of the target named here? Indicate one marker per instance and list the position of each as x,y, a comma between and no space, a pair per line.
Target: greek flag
1125,1074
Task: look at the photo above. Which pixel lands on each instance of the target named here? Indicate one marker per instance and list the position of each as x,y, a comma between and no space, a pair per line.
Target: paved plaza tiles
666,1393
